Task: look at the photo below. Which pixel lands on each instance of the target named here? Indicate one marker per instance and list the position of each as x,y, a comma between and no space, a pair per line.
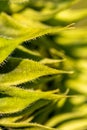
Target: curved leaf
13,34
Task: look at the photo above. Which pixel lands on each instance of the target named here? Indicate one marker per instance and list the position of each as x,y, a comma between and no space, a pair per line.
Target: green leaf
18,101
6,47
73,38
65,117
32,14
51,4
24,71
13,34
23,52
11,6
79,124
26,126
50,61
76,15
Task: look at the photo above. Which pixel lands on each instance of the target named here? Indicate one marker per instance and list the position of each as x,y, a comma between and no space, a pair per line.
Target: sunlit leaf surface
43,65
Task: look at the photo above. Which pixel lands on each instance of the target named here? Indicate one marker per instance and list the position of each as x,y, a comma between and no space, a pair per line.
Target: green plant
42,57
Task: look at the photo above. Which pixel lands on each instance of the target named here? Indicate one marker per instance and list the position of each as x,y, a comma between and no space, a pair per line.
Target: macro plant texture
43,65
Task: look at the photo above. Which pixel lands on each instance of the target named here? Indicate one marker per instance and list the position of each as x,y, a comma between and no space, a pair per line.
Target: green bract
43,65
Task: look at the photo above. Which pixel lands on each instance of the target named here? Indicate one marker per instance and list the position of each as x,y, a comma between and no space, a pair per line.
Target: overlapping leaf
24,71
16,34
35,67
18,99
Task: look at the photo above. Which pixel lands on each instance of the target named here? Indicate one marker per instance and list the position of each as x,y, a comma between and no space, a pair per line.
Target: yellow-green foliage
43,65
